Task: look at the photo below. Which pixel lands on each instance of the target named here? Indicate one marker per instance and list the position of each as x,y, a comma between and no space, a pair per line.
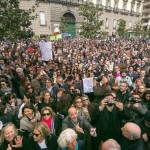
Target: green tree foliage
91,26
14,22
138,29
121,30
63,25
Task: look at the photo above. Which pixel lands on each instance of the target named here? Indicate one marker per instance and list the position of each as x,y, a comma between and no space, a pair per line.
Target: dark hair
2,108
8,97
29,106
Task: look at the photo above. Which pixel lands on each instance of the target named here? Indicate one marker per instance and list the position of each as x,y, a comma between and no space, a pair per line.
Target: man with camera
108,118
135,108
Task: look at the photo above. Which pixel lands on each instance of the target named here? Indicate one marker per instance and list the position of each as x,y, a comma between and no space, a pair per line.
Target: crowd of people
43,104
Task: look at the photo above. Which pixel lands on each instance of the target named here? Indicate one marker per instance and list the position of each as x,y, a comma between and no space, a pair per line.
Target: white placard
46,50
88,85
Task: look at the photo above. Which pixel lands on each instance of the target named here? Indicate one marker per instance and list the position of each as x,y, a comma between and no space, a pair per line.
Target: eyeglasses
47,114
2,84
79,102
36,134
71,89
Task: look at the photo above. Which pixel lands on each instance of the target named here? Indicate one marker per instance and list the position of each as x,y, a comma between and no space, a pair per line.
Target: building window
132,6
124,5
116,2
107,24
138,8
42,18
108,3
114,23
99,2
130,24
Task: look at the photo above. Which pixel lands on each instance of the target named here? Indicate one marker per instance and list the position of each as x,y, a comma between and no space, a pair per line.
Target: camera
98,79
109,102
135,101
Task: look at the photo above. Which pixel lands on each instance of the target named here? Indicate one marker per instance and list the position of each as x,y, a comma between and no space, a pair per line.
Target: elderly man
110,144
77,123
132,137
68,140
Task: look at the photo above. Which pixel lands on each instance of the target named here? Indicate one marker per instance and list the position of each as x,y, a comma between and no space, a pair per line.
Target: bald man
110,144
132,135
77,123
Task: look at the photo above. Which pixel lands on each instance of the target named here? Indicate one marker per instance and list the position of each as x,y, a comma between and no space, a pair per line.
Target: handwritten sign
46,50
88,85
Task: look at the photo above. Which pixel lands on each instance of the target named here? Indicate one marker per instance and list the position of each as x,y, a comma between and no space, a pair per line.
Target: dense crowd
43,104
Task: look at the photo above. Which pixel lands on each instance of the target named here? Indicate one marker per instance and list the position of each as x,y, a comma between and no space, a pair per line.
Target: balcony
132,13
146,17
116,10
124,11
146,3
146,10
68,2
108,8
138,14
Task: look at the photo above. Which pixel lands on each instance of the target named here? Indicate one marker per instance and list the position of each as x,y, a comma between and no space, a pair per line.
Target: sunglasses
47,114
84,99
36,134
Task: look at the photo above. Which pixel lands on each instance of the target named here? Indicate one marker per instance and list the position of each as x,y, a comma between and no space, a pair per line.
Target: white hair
66,137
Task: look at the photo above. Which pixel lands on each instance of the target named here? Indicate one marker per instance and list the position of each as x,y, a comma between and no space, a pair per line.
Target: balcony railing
108,8
146,3
116,10
132,13
124,11
146,10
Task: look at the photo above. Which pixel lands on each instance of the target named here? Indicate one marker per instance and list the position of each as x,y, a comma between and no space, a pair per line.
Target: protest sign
88,85
46,50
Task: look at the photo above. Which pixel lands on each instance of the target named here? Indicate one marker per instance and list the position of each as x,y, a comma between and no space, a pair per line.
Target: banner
52,37
58,36
88,85
46,50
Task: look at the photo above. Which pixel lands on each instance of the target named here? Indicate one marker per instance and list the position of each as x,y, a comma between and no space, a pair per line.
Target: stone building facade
50,11
146,14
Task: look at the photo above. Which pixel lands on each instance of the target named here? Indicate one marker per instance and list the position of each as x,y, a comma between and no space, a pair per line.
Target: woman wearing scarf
52,120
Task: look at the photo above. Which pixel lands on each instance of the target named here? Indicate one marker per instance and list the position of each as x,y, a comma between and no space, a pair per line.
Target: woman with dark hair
12,139
62,105
42,139
5,117
13,104
29,119
146,99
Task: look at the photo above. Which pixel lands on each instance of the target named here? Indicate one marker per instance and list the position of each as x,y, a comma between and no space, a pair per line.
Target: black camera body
98,79
135,101
109,102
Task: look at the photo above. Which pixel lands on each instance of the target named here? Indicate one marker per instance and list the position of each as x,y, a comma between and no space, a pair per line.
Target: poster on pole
46,50
88,85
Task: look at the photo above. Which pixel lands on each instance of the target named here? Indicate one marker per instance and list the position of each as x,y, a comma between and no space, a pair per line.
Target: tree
91,26
14,22
138,29
121,30
63,25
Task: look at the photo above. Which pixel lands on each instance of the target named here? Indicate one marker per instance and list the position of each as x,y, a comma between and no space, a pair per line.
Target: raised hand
79,130
9,147
18,141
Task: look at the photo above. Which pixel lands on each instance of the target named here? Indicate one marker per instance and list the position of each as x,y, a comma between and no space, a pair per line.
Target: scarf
50,123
